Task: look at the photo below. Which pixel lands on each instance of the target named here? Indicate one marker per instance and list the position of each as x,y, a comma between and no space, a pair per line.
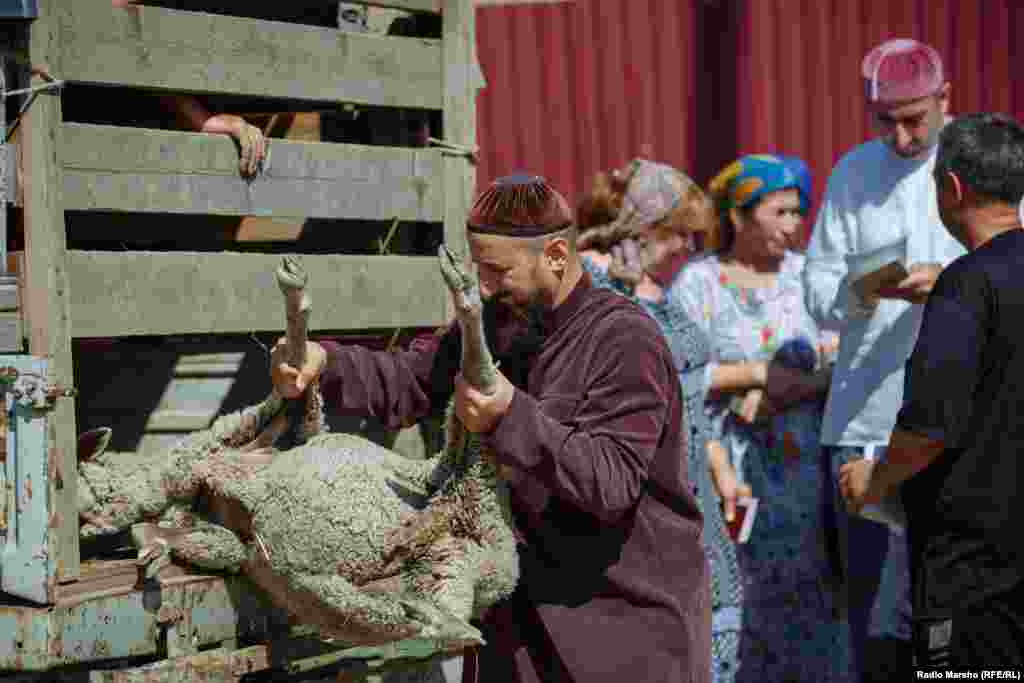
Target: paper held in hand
890,511
874,270
889,275
743,522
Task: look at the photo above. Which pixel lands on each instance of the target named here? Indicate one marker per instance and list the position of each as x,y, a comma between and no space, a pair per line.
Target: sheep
367,545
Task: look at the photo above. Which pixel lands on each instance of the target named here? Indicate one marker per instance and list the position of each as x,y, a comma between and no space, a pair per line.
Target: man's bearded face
510,272
912,128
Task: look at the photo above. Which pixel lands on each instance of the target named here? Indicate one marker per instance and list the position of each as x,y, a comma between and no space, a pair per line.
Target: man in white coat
880,194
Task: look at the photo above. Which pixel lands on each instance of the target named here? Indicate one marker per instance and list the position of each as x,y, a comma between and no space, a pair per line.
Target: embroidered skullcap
901,69
519,205
749,178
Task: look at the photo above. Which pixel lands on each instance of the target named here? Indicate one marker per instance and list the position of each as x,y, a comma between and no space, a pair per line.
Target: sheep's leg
334,605
221,475
264,442
292,279
346,612
414,538
239,429
422,529
414,475
209,547
452,571
301,418
179,515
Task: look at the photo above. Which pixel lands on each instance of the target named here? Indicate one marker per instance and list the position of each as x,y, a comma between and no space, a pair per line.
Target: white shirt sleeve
829,300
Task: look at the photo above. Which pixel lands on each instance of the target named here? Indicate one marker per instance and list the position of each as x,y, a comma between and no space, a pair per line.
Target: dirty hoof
291,274
153,544
153,558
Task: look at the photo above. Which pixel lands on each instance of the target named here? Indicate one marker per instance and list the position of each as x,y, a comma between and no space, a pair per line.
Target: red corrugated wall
580,86
801,61
576,87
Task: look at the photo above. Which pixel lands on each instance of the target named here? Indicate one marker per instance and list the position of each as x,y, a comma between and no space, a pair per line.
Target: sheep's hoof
152,558
154,547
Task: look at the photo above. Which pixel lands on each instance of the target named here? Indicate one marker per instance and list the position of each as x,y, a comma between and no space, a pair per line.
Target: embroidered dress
791,628
691,351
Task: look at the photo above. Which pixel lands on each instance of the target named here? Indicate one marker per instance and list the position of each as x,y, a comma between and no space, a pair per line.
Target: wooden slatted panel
47,301
460,89
134,293
136,169
162,49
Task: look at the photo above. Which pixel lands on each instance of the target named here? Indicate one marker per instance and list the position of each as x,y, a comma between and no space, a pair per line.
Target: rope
453,149
32,92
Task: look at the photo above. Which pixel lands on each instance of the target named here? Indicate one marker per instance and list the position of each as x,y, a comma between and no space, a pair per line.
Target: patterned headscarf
652,192
746,180
805,181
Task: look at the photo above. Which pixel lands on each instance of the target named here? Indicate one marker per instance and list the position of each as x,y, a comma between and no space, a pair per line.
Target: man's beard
921,150
515,336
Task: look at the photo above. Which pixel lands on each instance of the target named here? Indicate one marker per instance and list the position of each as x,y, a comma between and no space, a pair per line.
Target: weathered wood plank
8,292
5,151
10,192
134,169
27,567
47,291
220,664
304,126
460,89
11,335
132,293
162,49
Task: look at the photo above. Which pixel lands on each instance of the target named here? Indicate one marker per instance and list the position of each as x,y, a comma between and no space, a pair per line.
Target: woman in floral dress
766,387
637,225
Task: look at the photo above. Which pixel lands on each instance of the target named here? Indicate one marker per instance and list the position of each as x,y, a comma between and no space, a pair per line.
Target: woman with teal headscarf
767,382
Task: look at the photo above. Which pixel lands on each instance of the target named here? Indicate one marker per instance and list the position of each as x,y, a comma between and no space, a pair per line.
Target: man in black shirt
960,433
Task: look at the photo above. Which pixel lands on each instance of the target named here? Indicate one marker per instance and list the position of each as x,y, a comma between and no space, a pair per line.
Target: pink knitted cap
901,69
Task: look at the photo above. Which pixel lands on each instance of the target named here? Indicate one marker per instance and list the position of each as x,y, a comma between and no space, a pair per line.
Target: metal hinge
31,389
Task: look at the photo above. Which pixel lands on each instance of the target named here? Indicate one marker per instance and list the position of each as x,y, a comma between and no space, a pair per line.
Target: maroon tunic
614,583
